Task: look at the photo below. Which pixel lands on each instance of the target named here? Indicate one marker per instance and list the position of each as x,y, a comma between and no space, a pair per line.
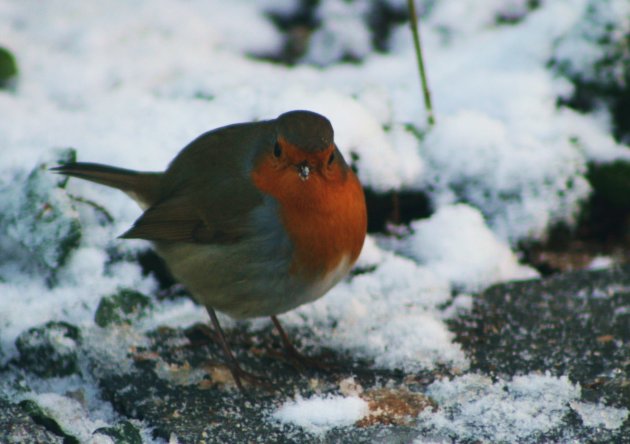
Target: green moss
8,68
121,308
62,156
49,350
123,433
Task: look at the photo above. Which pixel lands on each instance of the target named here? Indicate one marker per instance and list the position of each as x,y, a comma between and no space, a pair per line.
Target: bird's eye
331,159
277,151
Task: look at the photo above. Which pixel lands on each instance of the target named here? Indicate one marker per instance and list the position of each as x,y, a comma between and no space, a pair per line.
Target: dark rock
173,380
49,350
121,308
17,426
575,324
178,387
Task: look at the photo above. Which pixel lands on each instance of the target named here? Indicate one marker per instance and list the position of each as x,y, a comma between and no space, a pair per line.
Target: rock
35,412
178,387
39,219
121,308
17,426
575,324
394,406
49,350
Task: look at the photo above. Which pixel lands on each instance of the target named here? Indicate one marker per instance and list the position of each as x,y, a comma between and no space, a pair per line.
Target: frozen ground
130,83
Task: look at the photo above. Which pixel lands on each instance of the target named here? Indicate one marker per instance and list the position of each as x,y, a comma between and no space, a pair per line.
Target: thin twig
413,19
101,209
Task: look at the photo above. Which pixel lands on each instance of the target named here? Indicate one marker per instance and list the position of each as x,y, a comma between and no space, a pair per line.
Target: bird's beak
303,170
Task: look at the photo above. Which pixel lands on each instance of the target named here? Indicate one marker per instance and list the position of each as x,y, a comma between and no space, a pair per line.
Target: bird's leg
208,333
293,353
235,369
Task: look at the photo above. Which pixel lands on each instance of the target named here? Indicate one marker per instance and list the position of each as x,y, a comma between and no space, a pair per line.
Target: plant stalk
413,19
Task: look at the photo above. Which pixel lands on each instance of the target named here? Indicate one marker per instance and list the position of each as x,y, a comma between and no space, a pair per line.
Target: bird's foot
239,375
200,334
303,362
297,359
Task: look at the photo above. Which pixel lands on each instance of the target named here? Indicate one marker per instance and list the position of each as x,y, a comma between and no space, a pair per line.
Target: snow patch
473,407
319,414
598,415
456,244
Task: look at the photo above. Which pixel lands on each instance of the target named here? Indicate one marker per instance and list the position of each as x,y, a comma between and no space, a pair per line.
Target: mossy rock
8,68
39,218
16,426
123,433
50,350
37,414
122,308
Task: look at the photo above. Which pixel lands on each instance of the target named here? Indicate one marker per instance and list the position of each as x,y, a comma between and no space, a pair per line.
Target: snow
601,262
458,246
474,407
598,415
70,416
129,84
586,51
343,34
391,315
319,414
521,184
465,18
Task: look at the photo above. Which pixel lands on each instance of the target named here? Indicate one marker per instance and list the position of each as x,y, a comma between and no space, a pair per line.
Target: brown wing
172,220
206,193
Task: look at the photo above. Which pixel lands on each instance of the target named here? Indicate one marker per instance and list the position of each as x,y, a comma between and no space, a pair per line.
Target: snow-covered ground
130,83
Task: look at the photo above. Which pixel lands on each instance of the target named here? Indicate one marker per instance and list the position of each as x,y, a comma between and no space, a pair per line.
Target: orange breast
325,216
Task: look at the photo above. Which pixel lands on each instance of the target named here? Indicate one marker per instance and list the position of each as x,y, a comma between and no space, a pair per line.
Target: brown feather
172,220
204,196
144,185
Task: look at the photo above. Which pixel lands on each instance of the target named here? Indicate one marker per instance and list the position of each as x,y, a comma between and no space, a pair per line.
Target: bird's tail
141,186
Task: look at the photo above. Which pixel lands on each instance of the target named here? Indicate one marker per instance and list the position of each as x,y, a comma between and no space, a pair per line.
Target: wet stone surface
574,324
184,391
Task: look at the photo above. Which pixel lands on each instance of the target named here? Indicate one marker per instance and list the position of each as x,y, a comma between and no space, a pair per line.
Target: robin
254,219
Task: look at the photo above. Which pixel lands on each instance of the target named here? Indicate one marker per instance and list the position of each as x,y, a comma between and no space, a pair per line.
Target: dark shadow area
395,207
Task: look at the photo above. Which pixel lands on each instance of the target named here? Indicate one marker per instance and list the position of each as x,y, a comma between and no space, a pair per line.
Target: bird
254,219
